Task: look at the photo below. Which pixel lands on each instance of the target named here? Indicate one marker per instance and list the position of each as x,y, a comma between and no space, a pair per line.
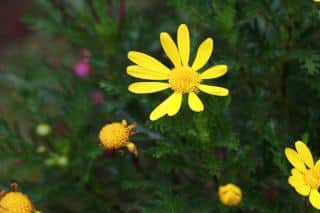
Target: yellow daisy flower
305,176
230,194
182,78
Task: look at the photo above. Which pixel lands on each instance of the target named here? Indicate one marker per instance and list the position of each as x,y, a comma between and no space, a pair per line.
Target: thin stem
138,167
306,205
216,182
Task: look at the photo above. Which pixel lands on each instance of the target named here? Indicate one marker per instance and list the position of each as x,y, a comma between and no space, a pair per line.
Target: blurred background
12,29
63,76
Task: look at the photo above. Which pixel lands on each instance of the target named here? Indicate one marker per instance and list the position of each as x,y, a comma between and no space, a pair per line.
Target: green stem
306,205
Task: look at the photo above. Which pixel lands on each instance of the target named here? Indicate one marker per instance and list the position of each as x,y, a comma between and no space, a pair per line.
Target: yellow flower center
312,178
114,135
16,202
184,80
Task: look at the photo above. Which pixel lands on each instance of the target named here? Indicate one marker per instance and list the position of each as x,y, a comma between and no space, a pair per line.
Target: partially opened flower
181,79
305,176
15,202
230,194
116,136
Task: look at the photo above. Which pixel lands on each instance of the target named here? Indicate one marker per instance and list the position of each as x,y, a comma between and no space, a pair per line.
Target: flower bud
230,195
43,129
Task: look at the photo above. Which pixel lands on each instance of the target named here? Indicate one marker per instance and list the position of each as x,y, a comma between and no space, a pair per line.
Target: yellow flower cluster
116,136
181,79
184,78
305,176
15,202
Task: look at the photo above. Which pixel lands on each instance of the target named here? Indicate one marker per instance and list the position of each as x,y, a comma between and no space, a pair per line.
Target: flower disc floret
114,136
184,80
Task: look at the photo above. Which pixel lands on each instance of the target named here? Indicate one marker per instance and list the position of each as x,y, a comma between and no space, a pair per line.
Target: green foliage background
272,49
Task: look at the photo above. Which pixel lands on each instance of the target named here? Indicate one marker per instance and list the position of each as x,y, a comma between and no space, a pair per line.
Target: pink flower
82,66
96,97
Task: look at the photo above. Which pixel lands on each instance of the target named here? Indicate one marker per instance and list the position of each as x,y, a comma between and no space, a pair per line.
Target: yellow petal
317,167
214,72
304,153
296,181
303,189
195,103
296,174
144,73
174,103
183,37
294,159
132,148
299,185
148,62
147,87
170,49
161,110
315,198
203,54
213,90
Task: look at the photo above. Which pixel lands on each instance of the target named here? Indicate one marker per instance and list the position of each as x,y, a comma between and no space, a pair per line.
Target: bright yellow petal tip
181,78
143,73
214,72
195,102
169,106
315,198
295,159
203,54
304,153
170,49
147,87
183,40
